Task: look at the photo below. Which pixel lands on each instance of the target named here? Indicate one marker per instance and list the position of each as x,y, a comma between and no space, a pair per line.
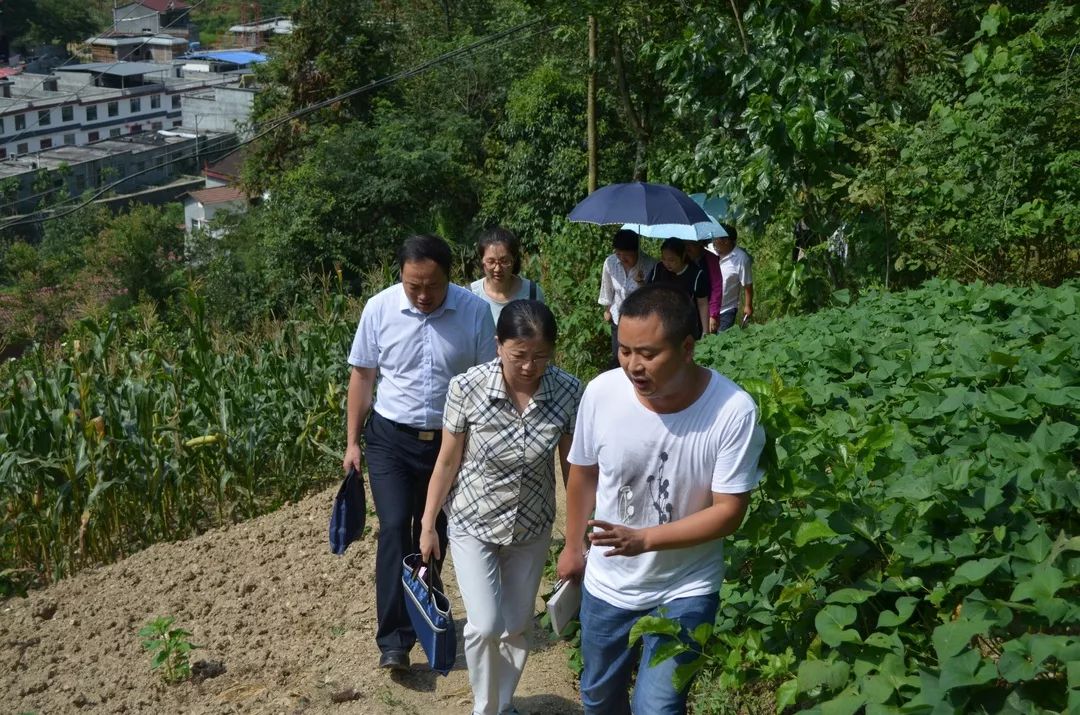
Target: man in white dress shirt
412,338
735,265
625,270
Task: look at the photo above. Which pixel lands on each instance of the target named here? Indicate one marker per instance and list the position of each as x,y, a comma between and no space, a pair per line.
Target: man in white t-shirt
666,453
735,266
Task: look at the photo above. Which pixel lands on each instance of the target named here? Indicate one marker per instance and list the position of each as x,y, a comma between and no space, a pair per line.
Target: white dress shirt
417,353
616,282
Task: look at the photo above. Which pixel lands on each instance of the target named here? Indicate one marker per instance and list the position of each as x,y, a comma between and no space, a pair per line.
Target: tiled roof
218,195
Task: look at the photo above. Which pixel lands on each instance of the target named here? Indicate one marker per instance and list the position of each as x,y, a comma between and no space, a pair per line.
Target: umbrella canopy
700,231
640,203
718,207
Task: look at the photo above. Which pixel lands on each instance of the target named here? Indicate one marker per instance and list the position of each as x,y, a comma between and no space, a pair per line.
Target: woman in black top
675,267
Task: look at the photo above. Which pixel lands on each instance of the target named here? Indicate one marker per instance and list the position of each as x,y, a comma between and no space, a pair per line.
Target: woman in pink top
710,263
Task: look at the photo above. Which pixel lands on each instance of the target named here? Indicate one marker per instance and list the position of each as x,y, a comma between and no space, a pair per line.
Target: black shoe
395,660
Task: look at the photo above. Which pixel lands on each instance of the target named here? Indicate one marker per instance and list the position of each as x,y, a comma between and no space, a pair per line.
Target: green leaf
849,595
832,675
788,692
830,622
844,704
812,531
667,649
905,606
702,633
654,625
686,672
965,670
974,572
951,638
1043,583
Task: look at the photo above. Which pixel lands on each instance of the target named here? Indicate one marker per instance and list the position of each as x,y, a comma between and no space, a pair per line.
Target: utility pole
591,106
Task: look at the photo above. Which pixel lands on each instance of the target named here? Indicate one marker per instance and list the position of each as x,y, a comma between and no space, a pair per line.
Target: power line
273,124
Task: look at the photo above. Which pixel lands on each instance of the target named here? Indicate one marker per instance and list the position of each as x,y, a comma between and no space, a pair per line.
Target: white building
82,104
201,206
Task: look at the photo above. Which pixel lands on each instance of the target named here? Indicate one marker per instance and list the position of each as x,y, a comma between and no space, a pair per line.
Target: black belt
424,435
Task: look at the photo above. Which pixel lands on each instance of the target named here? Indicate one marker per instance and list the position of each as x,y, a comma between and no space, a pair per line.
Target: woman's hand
429,545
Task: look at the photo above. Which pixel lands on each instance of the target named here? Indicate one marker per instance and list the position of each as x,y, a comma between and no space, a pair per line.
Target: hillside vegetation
916,539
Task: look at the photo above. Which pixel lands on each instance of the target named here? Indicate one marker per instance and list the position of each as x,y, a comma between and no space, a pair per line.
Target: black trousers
399,468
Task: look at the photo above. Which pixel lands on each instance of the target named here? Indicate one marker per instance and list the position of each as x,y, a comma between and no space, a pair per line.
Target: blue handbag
350,510
429,611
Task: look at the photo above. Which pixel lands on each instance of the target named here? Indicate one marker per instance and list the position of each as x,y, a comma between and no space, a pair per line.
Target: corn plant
133,433
170,648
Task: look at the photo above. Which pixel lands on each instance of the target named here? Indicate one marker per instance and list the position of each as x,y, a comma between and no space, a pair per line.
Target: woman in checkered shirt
495,478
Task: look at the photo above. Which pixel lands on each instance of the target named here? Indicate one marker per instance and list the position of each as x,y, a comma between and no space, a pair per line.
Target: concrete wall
219,110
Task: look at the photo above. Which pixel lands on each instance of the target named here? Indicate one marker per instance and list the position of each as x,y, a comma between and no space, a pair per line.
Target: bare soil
291,625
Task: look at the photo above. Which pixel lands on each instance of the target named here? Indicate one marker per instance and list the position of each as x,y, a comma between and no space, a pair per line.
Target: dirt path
292,624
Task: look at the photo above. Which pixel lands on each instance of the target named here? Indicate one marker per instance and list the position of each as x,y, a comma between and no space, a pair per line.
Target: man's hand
571,566
352,459
607,315
713,325
623,540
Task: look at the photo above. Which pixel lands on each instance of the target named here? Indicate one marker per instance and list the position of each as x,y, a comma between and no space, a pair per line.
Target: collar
495,385
453,299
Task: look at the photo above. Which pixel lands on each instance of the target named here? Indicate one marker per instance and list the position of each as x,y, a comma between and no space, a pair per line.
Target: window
67,113
93,137
155,126
46,144
44,118
3,153
1,125
91,113
23,148
114,132
155,101
177,122
176,101
136,128
69,140
114,109
136,104
20,122
50,85
80,183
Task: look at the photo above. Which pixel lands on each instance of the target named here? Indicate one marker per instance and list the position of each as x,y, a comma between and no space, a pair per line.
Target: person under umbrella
675,267
625,270
710,263
736,265
499,252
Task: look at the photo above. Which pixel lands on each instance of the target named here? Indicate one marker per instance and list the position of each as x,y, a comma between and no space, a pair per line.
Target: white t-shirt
735,268
657,468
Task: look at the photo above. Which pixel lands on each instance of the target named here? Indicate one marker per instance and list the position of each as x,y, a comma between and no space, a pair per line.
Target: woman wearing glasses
495,477
499,251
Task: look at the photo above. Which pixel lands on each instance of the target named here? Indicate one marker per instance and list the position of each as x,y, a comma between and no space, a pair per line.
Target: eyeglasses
521,359
498,262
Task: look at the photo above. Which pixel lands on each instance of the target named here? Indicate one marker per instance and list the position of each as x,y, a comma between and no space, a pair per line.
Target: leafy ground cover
915,544
135,434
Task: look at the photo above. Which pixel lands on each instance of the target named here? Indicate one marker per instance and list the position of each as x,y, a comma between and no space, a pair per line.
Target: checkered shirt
505,489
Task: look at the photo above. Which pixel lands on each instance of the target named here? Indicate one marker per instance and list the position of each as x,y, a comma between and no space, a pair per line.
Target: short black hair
526,319
425,247
675,245
506,237
732,232
670,302
626,240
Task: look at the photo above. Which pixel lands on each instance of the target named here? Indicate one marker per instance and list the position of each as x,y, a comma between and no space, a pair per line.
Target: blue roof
236,57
